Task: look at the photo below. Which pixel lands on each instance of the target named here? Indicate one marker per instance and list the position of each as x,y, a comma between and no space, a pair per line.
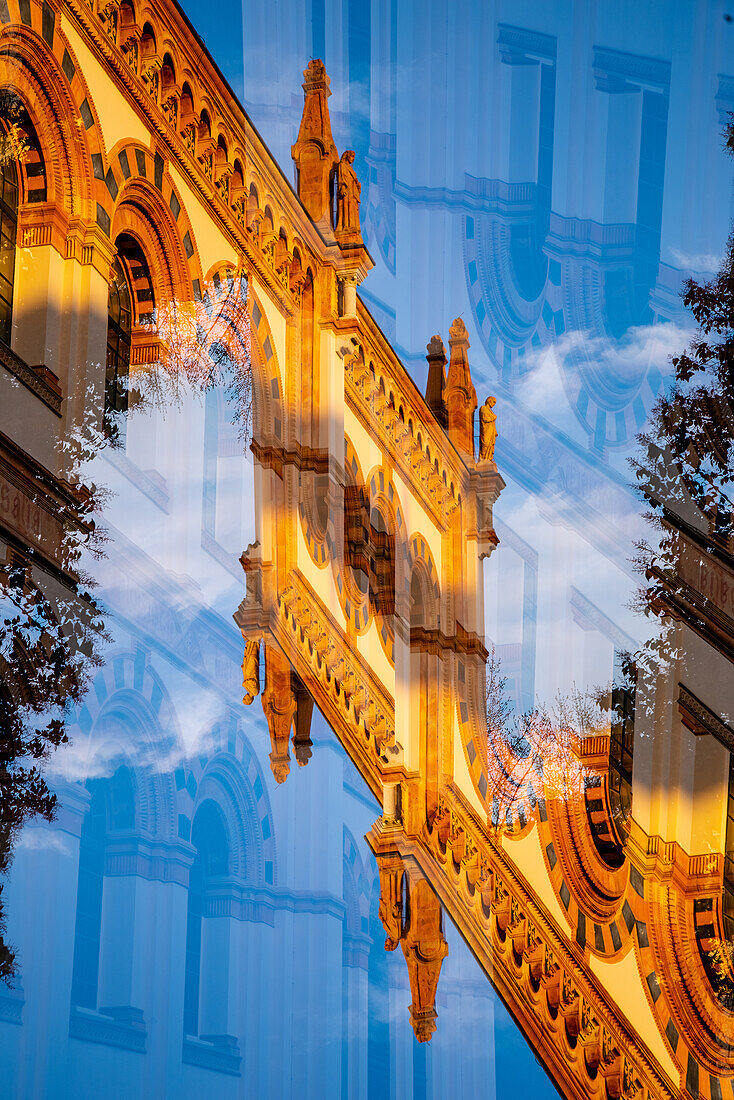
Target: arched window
111,808
119,334
85,973
8,230
209,837
382,579
729,858
622,741
380,1058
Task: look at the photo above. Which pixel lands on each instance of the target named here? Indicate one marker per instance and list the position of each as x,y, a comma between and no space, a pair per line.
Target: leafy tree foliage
47,647
685,468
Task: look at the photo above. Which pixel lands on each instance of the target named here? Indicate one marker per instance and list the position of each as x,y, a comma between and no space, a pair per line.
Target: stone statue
391,901
251,671
487,430
348,190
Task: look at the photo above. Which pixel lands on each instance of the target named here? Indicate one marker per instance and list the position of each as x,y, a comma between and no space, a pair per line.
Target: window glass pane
119,322
8,226
5,321
728,898
7,258
622,738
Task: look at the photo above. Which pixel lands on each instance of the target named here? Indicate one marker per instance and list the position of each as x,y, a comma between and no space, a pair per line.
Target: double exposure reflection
414,474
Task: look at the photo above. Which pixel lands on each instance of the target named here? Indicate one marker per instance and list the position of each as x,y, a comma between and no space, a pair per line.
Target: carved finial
457,332
314,152
424,946
460,395
436,383
280,767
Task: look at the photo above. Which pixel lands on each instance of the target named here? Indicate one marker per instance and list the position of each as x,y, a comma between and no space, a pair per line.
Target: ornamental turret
436,383
460,396
314,153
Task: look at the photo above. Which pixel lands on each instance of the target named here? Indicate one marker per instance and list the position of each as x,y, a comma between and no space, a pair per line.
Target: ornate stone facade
372,610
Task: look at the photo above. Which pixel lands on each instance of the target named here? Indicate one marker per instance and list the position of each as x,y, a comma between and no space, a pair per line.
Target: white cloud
623,362
97,755
38,839
85,757
705,262
198,714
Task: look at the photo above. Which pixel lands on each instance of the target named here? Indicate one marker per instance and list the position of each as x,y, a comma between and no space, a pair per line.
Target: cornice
39,380
154,119
516,939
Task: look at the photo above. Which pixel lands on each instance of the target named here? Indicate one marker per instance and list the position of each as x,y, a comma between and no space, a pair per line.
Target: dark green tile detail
48,23
671,1033
103,219
86,114
68,66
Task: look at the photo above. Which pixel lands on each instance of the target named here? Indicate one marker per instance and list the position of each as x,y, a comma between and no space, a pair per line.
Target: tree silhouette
47,648
685,464
685,472
536,753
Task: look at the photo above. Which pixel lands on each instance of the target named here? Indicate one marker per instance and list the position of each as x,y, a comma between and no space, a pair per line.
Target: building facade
154,247
186,922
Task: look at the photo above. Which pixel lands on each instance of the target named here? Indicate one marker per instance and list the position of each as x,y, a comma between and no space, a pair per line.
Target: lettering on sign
22,515
707,576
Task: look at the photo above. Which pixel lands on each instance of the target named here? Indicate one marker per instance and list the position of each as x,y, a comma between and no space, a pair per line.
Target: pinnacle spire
314,152
460,395
436,383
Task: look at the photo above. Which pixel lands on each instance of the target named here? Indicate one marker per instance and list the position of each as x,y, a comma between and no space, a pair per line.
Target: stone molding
700,719
219,1053
519,46
122,1027
39,380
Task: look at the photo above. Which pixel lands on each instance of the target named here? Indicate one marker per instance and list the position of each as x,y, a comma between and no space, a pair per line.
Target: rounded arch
689,982
600,904
211,838
344,544
388,533
129,717
267,386
127,14
168,69
230,774
28,167
141,213
422,585
137,272
148,43
238,175
356,887
187,98
205,125
61,114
